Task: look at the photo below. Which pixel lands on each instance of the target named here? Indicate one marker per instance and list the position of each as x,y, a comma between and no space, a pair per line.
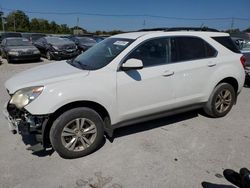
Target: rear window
190,48
227,42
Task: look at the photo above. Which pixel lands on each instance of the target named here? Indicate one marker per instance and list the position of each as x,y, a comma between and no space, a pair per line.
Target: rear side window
190,48
228,43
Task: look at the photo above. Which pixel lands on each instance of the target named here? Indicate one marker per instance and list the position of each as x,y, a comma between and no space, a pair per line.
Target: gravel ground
181,151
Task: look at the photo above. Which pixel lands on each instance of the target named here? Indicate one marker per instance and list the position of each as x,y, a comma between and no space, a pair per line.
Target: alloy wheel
223,101
78,134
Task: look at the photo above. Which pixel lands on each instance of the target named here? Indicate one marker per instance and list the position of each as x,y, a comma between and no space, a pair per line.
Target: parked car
242,41
4,35
56,48
17,48
99,38
33,36
83,43
126,79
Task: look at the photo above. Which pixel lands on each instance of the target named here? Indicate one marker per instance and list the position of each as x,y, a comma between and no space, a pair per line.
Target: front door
148,90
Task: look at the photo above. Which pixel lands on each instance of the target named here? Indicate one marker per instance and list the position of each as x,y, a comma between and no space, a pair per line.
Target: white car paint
124,95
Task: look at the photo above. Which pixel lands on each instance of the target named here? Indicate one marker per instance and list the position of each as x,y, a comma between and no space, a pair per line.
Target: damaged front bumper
13,124
22,122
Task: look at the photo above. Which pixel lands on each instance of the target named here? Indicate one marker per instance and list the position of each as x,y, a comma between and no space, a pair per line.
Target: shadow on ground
211,185
141,127
37,148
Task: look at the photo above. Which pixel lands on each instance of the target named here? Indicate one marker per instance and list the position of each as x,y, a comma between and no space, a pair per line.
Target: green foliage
18,21
247,30
114,32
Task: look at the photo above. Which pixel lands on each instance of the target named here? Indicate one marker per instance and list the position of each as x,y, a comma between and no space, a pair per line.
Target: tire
48,56
70,141
8,59
220,101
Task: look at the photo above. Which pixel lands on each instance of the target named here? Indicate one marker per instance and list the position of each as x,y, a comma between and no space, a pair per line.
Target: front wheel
48,55
77,132
221,100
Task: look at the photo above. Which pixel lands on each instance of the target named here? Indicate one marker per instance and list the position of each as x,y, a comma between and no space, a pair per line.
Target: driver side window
152,53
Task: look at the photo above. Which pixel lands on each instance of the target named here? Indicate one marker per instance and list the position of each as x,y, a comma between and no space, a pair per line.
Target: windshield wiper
83,66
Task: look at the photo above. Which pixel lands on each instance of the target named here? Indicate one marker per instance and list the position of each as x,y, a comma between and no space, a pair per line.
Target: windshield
37,36
101,54
18,42
58,41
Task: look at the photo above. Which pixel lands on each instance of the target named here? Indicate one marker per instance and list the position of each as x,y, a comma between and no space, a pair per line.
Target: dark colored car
57,48
242,41
33,37
99,38
4,35
17,48
83,43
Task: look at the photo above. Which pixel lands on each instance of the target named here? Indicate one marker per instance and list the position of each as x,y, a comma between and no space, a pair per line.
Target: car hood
44,74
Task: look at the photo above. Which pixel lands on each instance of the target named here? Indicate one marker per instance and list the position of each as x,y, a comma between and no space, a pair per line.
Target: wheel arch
101,110
232,81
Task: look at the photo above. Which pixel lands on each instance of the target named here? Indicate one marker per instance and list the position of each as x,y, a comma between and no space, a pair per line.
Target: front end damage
22,122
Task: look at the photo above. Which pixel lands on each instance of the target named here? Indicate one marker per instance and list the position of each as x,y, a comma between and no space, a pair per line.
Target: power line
129,15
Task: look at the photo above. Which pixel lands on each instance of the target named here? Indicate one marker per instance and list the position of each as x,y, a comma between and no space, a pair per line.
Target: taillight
243,61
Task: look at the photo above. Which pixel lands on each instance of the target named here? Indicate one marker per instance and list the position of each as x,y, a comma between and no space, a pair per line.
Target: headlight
55,47
36,52
13,53
25,96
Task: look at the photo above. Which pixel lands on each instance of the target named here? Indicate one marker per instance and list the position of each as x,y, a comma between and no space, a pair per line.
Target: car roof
135,35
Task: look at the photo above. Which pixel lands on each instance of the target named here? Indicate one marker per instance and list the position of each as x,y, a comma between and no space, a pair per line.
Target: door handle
211,64
168,73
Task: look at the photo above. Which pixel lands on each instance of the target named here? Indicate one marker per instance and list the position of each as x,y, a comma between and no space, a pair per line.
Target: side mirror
132,64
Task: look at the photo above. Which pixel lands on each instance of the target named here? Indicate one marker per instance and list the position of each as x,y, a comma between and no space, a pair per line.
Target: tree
44,26
35,25
54,28
18,21
64,29
247,30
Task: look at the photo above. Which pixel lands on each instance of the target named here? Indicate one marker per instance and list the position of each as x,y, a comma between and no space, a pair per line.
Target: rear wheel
221,100
77,132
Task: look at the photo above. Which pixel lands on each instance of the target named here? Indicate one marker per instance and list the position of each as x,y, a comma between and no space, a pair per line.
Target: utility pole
144,23
77,25
232,24
1,14
14,23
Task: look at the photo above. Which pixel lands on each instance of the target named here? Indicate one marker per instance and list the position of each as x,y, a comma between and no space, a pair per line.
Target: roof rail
155,29
181,29
192,29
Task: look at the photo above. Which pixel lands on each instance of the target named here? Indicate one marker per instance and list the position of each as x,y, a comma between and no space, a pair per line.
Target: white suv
125,79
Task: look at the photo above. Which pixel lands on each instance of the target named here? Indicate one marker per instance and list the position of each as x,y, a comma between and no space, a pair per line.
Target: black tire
48,55
213,107
60,124
8,59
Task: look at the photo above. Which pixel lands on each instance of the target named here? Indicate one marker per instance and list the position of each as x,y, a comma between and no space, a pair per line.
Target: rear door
194,62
